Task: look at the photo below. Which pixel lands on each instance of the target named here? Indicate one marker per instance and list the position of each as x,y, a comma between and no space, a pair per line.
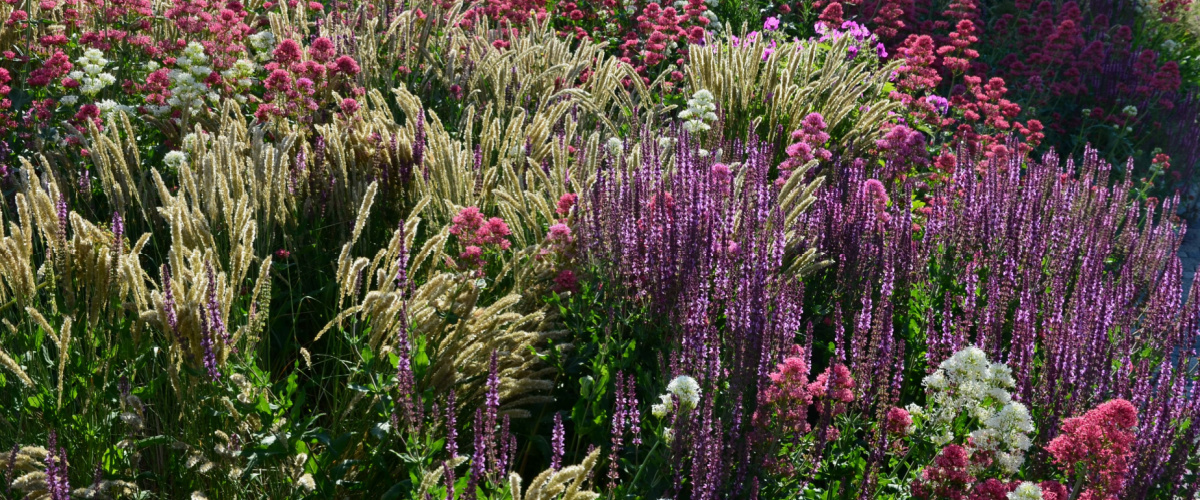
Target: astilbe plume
1095,448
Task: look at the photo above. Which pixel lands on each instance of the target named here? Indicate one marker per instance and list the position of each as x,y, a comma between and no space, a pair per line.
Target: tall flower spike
451,425
448,474
169,308
557,442
214,307
118,230
206,342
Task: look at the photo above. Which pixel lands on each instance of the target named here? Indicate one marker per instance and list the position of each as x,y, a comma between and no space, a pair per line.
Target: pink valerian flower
346,65
560,234
876,196
321,50
57,66
902,145
475,233
809,144
565,203
287,52
783,405
842,388
948,477
1098,446
898,422
565,281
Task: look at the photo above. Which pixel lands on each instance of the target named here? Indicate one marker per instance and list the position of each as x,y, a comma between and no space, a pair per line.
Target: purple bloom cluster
57,480
1073,284
558,440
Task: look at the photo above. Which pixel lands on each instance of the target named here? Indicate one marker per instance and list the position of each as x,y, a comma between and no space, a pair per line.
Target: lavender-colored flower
12,464
169,308
214,307
557,442
85,182
448,476
451,425
633,416
206,343
57,480
941,104
61,209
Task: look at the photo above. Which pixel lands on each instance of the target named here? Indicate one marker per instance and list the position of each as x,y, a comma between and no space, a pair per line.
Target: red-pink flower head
321,50
1097,445
565,203
287,52
347,66
841,389
898,421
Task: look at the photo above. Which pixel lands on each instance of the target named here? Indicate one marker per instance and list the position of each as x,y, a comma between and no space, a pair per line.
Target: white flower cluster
699,113
263,42
615,146
1026,491
187,80
108,106
175,159
967,384
686,390
93,78
241,74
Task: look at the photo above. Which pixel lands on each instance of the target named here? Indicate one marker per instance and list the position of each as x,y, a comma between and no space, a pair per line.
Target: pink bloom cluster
1097,445
948,477
475,233
785,402
898,420
809,143
295,83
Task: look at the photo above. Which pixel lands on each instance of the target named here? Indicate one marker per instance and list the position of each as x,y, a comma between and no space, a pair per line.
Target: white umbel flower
188,89
615,146
699,113
92,79
1026,491
175,159
686,389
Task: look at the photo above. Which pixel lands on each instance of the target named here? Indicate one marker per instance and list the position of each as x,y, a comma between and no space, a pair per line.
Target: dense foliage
514,249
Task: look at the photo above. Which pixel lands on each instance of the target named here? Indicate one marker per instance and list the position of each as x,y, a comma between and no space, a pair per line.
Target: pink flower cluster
475,233
295,83
1097,445
784,404
809,143
948,477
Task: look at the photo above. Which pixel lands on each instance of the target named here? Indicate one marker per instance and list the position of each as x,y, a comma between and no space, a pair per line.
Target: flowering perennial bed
512,249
